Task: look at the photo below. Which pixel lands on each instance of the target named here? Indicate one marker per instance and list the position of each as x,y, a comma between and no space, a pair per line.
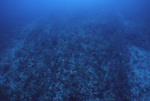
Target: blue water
74,50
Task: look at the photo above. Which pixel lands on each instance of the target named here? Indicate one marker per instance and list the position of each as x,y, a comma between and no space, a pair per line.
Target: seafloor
102,58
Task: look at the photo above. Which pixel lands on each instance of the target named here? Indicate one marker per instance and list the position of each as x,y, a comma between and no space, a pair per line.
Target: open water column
74,50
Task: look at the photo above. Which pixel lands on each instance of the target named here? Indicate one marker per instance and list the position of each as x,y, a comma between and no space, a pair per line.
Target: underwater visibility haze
74,50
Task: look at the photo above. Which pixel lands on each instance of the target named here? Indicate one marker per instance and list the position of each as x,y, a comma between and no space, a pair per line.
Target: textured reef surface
82,58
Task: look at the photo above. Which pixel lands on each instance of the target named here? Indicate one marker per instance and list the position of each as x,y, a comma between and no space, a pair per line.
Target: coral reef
77,59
